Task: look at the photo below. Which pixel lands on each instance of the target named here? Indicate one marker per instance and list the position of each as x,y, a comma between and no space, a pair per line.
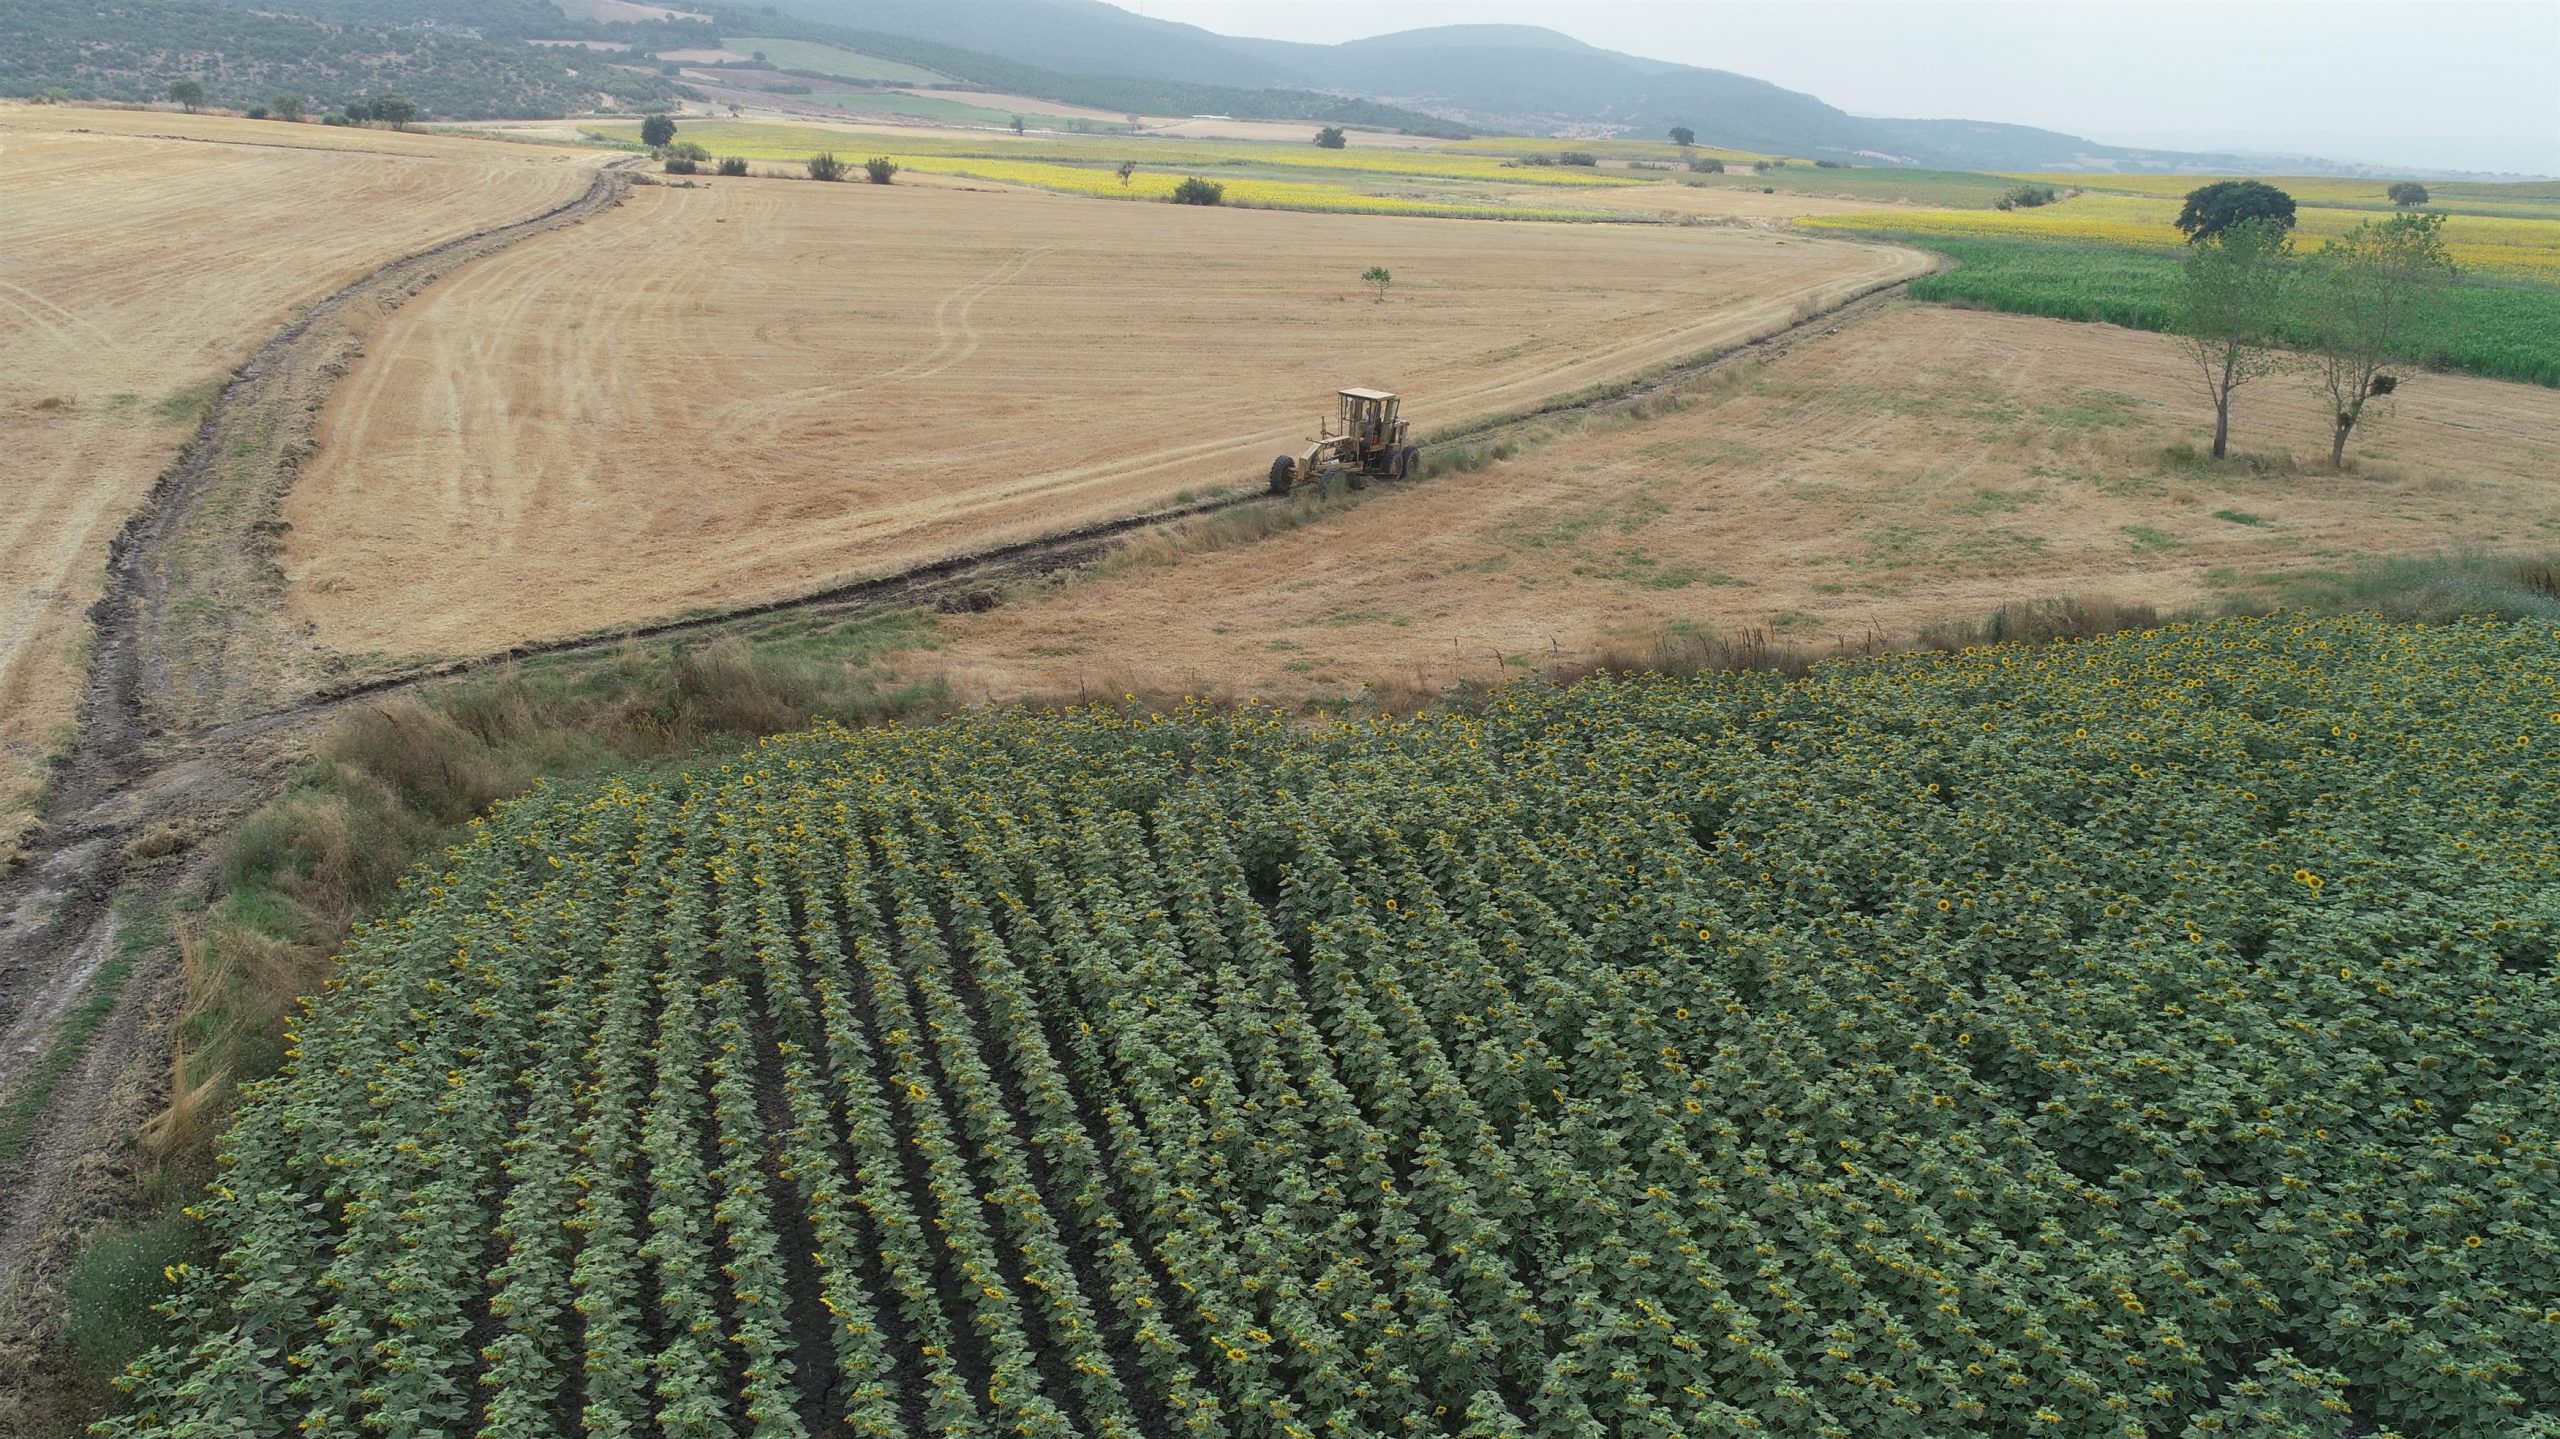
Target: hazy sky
2446,82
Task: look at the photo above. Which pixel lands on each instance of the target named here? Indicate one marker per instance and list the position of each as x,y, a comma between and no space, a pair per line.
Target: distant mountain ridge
1516,78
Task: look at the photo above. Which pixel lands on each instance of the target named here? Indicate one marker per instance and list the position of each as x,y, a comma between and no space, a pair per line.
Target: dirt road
146,785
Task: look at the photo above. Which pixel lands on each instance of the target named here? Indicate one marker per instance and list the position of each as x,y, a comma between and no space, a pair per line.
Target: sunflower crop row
2154,1035
2507,248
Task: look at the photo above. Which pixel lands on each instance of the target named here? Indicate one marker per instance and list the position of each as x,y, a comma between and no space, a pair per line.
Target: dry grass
751,390
148,253
1922,469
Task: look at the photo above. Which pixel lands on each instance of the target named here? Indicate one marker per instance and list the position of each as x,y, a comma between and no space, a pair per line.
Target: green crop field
2101,1039
1959,188
821,59
2506,331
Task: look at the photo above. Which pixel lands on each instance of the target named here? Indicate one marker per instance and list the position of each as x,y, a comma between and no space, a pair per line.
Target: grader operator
1365,441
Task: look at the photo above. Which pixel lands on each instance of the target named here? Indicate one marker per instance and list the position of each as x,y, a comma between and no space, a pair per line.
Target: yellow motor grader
1364,441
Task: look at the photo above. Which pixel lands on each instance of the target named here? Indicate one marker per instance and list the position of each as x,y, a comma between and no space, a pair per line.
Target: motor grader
1364,441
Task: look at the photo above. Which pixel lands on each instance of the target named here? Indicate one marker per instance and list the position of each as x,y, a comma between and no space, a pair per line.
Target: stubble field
142,255
756,389
1927,465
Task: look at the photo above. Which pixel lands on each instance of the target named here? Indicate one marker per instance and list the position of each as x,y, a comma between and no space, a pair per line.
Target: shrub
1537,159
1579,157
682,165
1330,138
2025,197
255,112
286,107
1196,191
880,168
825,166
733,164
1706,167
1833,165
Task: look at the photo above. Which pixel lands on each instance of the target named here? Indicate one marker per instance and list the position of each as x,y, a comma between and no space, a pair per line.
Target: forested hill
456,61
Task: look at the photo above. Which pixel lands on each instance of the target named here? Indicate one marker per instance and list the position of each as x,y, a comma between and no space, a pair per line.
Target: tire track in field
955,340
1732,324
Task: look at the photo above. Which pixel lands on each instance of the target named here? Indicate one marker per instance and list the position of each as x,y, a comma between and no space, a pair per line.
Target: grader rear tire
1283,474
1408,462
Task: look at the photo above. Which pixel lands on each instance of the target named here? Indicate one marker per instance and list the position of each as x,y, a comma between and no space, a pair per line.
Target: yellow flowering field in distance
2508,248
2316,189
768,141
1251,193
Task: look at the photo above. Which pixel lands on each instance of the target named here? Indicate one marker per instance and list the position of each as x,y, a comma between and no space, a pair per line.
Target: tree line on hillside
2353,304
126,51
1122,94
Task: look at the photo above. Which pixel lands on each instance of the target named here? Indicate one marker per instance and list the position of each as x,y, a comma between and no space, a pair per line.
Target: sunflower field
2150,1036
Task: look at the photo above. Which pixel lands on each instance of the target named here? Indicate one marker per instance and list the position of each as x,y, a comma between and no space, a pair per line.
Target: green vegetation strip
2504,331
2061,1040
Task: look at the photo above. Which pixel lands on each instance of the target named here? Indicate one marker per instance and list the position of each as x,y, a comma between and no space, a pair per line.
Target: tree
1017,124
286,107
880,168
1330,138
2212,209
2230,296
187,93
2407,194
2370,292
1683,136
394,110
1196,191
1128,169
825,166
658,131
1378,279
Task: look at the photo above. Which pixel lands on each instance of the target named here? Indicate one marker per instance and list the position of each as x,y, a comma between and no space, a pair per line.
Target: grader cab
1364,441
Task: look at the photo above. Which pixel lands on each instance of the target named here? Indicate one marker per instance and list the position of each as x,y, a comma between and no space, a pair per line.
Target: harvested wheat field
757,388
142,255
1926,465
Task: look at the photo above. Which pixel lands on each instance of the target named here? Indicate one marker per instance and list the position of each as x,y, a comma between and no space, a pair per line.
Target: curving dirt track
757,390
142,255
166,663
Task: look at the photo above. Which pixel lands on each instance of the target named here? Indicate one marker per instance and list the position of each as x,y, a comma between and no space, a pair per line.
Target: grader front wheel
1284,472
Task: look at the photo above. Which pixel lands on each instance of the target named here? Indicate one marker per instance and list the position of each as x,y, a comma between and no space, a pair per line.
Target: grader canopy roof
1367,395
